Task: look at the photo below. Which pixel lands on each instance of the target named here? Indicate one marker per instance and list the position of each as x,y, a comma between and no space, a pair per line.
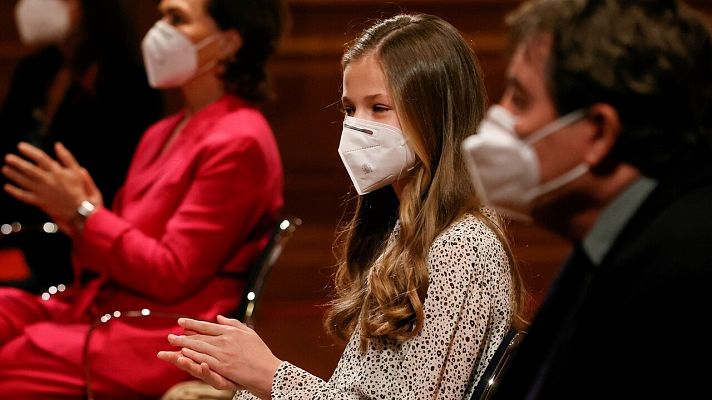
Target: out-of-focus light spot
50,227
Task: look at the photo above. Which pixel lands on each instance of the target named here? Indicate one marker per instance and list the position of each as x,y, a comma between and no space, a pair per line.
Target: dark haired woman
201,197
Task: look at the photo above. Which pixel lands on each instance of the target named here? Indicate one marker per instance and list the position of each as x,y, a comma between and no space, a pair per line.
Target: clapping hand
56,187
226,355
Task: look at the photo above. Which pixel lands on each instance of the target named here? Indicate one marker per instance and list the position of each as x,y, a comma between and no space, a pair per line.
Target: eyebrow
172,7
369,97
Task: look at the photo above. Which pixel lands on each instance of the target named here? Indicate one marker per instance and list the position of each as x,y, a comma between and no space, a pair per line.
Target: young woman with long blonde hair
426,286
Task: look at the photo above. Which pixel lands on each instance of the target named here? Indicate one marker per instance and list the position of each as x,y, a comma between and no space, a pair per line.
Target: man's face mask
505,169
374,154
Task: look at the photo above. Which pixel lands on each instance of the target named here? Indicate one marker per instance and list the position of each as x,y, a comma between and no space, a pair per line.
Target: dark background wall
306,120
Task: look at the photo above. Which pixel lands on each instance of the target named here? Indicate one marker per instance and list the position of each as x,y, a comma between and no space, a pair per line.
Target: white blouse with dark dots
467,314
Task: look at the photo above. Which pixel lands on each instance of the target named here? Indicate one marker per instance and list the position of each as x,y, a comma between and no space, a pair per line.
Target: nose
360,114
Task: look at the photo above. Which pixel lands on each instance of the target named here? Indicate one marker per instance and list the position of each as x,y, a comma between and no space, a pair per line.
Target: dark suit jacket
633,327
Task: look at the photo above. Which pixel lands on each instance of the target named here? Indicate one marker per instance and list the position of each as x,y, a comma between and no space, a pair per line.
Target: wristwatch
85,209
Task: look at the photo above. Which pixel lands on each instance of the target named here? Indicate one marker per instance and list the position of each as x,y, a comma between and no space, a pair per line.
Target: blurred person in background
83,85
604,135
201,198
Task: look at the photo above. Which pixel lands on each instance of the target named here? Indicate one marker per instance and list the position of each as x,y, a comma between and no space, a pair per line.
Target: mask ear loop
560,123
199,46
570,175
559,181
406,151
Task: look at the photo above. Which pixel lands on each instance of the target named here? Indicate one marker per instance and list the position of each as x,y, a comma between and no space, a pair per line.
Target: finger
169,356
235,323
185,364
204,327
216,380
89,185
18,178
198,356
22,195
65,156
38,156
24,167
198,343
190,366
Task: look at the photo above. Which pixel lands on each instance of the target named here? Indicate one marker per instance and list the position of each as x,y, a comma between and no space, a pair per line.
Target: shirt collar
614,217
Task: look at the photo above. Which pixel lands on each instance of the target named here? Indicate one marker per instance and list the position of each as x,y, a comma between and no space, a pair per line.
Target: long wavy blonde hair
439,95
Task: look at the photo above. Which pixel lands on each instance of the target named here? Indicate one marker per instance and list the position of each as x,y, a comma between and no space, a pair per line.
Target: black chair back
497,365
261,268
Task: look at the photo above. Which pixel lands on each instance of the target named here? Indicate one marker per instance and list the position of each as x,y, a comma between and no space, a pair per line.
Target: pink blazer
184,228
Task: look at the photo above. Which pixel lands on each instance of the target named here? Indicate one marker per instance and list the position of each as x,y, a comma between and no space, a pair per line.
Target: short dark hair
649,59
261,24
107,36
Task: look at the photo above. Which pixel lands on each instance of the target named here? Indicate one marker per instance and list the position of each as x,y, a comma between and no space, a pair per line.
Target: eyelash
380,108
175,19
349,110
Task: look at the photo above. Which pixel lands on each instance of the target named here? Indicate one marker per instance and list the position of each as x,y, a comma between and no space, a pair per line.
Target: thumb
91,188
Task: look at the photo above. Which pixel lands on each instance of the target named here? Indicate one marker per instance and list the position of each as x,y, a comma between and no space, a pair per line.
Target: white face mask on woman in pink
171,58
505,168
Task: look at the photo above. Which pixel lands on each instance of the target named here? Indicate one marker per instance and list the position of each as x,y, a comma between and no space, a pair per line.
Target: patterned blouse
467,314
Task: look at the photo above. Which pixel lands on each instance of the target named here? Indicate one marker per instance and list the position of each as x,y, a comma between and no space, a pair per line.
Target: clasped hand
226,355
56,187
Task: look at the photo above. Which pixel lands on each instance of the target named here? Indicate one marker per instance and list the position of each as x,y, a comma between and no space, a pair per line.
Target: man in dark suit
607,113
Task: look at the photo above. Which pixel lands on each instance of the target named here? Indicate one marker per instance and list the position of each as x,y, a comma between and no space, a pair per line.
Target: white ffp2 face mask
42,21
505,169
171,58
374,154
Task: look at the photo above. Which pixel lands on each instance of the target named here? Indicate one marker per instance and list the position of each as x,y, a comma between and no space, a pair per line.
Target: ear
233,42
606,127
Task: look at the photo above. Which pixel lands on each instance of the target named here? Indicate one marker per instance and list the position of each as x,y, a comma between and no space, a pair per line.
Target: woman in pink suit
202,194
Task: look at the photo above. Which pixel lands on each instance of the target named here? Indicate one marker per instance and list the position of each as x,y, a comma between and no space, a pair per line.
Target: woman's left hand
225,353
57,187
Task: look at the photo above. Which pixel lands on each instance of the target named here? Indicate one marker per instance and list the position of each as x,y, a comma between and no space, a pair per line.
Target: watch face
85,208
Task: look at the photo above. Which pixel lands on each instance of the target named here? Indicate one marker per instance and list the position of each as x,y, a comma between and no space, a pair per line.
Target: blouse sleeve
467,314
289,376
469,287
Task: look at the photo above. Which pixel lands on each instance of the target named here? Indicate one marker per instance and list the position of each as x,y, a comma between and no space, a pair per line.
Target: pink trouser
30,373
